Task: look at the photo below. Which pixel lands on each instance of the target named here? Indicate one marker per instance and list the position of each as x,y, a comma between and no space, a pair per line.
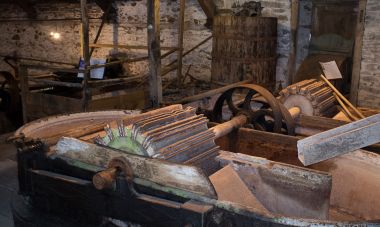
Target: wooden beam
293,47
23,76
357,58
154,52
209,8
104,18
178,176
85,54
339,140
131,47
181,26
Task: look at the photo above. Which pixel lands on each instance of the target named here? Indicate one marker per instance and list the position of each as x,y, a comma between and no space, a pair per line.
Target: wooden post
181,25
104,18
293,50
23,76
154,52
357,58
85,53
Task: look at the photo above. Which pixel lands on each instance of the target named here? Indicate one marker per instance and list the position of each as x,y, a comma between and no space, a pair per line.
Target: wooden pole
154,52
293,51
181,26
342,97
23,75
104,18
346,110
357,58
85,53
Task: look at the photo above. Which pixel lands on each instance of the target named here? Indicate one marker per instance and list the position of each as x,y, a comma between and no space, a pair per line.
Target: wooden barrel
244,48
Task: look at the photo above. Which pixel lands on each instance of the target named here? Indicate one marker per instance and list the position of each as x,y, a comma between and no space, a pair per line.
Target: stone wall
369,84
304,31
32,39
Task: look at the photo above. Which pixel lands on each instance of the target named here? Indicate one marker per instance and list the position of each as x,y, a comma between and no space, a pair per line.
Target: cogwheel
179,136
314,98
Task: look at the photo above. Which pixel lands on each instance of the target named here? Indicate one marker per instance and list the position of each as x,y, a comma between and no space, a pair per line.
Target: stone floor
8,180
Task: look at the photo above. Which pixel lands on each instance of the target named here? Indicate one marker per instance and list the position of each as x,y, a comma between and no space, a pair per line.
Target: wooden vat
244,48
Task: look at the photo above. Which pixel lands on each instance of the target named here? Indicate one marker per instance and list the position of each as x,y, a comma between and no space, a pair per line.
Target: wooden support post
340,140
23,76
293,51
154,52
181,25
104,18
357,58
85,53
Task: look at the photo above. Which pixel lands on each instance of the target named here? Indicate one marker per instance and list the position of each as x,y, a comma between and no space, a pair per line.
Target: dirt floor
8,180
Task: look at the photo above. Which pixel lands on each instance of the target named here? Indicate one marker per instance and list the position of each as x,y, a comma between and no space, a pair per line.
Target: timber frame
156,71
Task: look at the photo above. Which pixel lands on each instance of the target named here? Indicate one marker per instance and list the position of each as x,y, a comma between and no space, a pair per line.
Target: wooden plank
154,52
130,47
132,99
310,125
183,177
357,58
43,105
181,25
339,140
227,182
276,147
55,83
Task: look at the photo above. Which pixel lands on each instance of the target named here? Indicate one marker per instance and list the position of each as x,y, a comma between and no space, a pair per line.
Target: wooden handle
342,97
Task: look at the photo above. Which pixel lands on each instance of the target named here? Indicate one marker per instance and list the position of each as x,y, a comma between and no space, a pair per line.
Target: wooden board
177,176
230,187
339,140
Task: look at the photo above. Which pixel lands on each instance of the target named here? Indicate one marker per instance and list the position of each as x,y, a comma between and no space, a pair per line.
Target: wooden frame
357,58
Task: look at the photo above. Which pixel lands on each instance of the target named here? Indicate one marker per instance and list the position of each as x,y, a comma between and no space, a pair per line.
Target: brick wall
369,84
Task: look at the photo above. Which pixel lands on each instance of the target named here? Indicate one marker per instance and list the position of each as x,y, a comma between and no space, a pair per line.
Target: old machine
174,166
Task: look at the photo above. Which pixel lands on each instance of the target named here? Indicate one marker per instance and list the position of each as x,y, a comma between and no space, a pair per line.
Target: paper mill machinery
173,167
